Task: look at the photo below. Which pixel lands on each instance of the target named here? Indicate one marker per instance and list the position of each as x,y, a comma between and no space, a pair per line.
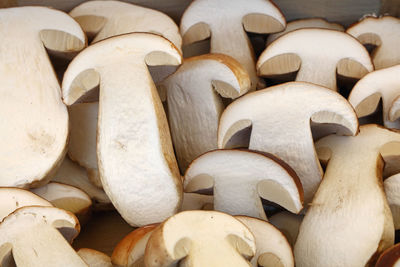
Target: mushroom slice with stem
352,189
280,120
390,257
273,248
130,250
228,29
66,197
288,223
194,106
392,190
135,154
239,178
15,198
380,84
317,55
94,258
200,238
37,133
305,23
39,236
379,32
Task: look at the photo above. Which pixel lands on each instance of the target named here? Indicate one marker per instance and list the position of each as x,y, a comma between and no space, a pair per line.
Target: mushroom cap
390,257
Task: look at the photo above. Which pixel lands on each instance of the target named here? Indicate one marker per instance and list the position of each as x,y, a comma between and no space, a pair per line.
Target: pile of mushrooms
136,156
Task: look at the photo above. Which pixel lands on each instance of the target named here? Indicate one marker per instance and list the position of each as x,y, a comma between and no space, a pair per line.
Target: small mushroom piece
273,248
130,250
39,236
194,106
15,198
239,178
380,84
194,201
379,32
33,142
288,223
228,29
66,197
317,54
200,238
392,190
305,23
134,148
280,119
390,257
94,258
352,190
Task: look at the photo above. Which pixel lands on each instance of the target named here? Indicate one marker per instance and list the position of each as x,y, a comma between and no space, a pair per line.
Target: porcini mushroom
379,31
288,223
39,236
390,257
94,258
377,85
33,143
280,119
392,190
200,238
227,30
317,54
352,190
135,154
239,178
194,106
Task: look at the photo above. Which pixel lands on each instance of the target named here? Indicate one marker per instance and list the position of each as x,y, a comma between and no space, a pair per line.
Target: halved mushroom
239,178
317,54
379,32
194,106
94,258
349,222
280,119
288,223
135,154
130,250
72,174
273,248
33,142
227,30
66,197
39,236
15,198
200,238
194,201
392,190
305,23
381,84
390,257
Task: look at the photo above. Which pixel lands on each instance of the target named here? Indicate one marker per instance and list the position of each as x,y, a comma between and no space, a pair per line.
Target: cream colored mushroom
392,190
228,29
195,105
33,139
94,258
379,32
317,55
349,221
239,178
200,238
135,154
33,236
280,120
288,223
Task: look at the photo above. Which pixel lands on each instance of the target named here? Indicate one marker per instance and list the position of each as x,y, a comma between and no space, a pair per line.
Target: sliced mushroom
317,54
135,154
29,238
305,23
228,29
15,198
288,223
33,141
381,84
194,201
280,119
392,190
194,106
72,174
273,248
390,257
200,238
130,250
349,222
239,178
66,197
379,32
94,258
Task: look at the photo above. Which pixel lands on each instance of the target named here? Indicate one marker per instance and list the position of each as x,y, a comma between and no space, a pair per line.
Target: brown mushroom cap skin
390,257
